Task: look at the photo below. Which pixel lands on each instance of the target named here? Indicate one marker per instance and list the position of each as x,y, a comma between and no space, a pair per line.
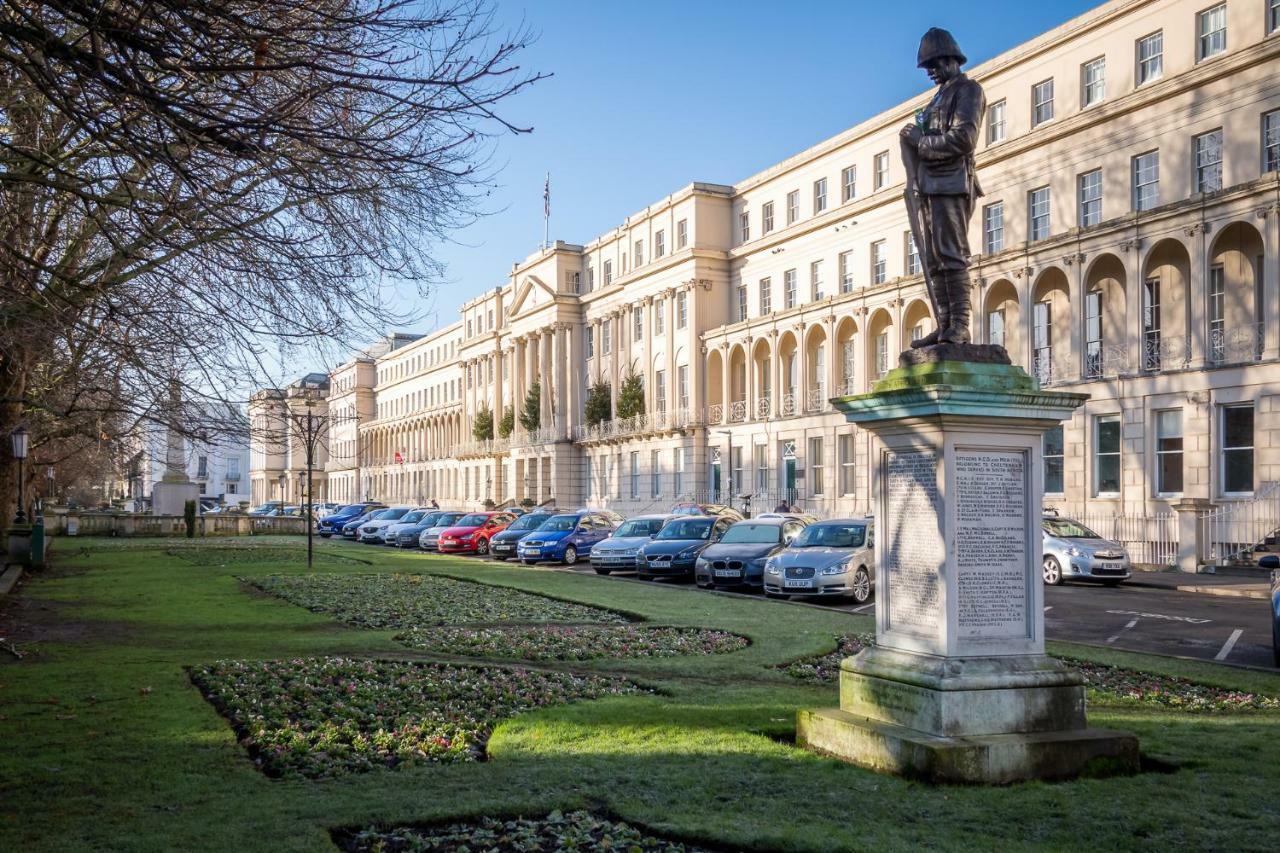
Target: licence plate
798,584
1111,567
727,573
533,551
661,564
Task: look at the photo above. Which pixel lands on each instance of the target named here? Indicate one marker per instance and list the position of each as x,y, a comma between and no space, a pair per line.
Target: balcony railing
1165,352
543,435
816,400
788,405
636,425
1109,360
763,410
481,448
848,387
715,413
1235,346
737,411
1046,369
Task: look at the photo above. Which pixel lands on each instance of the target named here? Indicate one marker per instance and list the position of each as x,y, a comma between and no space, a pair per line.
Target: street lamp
282,480
19,438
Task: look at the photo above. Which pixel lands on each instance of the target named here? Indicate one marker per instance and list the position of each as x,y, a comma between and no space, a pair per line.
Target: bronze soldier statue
942,183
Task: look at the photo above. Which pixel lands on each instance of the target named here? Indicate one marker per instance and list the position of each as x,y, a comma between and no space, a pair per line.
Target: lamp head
19,438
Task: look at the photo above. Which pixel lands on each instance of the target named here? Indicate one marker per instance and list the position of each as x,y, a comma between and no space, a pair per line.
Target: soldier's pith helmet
936,44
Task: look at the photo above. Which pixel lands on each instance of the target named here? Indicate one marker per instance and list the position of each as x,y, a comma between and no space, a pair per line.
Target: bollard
37,544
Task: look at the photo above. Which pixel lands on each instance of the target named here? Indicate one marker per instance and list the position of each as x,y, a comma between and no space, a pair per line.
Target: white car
371,530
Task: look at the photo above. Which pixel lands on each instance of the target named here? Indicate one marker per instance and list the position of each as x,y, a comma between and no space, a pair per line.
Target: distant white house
220,467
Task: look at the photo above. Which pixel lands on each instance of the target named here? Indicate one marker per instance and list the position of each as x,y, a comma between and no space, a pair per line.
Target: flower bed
330,716
1107,683
409,601
573,831
572,642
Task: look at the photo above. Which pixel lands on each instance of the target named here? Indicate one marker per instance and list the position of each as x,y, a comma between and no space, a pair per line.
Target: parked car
328,525
371,530
406,534
429,539
1272,562
266,509
564,538
828,558
1074,552
391,533
471,533
349,530
614,517
618,553
675,549
738,558
502,546
715,510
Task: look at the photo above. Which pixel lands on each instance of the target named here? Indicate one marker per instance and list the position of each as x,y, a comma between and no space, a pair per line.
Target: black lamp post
19,438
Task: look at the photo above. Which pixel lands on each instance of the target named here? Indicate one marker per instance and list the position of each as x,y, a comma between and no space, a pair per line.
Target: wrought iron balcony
1165,352
1108,360
1235,346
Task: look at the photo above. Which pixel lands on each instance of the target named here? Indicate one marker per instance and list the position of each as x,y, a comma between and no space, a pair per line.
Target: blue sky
648,97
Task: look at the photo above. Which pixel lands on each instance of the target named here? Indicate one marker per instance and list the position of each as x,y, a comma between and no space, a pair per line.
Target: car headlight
703,563
688,553
1074,551
771,566
837,569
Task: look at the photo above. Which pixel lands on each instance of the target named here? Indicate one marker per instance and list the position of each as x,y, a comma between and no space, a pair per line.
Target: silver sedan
830,558
1074,552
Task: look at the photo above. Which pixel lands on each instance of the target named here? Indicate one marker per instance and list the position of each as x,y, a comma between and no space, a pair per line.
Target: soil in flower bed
1108,683
214,555
321,717
573,831
572,642
410,601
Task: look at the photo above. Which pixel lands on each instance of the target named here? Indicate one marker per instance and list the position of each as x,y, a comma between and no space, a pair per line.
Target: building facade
1127,245
220,467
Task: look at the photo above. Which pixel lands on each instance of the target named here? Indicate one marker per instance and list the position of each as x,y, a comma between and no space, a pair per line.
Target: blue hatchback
331,524
564,538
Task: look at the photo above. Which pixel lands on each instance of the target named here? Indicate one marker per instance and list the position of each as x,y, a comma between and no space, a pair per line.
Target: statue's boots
940,303
957,328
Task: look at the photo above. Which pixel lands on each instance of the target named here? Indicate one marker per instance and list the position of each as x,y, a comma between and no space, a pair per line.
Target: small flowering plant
579,830
572,642
1105,683
321,717
407,601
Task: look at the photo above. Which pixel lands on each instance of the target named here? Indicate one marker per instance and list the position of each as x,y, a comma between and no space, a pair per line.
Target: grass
109,745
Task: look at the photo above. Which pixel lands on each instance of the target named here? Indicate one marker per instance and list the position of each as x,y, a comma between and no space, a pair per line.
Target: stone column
650,323
517,381
1196,293
1131,252
547,374
751,389
726,381
802,401
779,389
1193,545
833,361
558,369
1074,361
1265,314
670,350
615,379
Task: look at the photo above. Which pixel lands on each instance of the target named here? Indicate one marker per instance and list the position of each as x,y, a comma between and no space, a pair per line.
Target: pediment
533,292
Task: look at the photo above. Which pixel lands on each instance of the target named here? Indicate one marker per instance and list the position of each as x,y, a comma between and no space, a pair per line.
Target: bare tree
183,182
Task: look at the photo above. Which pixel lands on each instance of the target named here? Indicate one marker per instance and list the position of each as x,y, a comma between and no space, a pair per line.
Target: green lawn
108,745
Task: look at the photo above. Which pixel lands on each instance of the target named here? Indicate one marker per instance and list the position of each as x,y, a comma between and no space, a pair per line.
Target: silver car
618,552
1074,552
828,558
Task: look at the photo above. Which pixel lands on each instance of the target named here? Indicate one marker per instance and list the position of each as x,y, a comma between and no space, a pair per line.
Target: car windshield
1065,528
639,527
476,519
560,522
831,536
528,522
752,534
390,514
412,516
699,528
447,519
430,519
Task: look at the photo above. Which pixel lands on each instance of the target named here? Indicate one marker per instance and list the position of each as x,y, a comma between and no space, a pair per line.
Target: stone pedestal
958,688
171,498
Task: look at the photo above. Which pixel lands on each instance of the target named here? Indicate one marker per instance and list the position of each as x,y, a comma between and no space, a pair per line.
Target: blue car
332,524
502,546
564,538
674,551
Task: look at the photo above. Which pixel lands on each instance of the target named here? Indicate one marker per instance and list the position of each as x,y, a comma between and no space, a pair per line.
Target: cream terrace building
1127,246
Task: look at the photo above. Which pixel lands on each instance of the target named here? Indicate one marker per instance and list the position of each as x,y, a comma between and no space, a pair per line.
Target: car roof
767,520
658,517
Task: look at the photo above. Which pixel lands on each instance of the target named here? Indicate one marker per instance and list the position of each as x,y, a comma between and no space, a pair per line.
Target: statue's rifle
911,196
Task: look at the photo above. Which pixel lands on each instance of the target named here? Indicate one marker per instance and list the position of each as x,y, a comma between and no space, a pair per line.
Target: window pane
1109,436
1237,426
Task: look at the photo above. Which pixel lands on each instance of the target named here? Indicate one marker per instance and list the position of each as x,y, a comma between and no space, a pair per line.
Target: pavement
1213,618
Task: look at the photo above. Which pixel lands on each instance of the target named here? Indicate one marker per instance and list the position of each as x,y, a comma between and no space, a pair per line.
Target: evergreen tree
631,396
482,427
531,417
599,408
507,424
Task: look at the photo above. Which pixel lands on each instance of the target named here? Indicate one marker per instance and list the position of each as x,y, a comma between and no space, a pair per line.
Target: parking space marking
1047,609
862,608
1228,645
1116,636
1193,620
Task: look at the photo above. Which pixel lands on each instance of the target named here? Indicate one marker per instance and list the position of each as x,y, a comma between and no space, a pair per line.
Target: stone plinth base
987,720
974,759
171,498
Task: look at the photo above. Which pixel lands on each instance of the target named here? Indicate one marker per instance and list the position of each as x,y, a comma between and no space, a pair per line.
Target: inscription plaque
913,550
991,544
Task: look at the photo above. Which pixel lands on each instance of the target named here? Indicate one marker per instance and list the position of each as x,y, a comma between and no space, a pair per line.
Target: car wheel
861,590
1052,570
570,555
603,571
482,547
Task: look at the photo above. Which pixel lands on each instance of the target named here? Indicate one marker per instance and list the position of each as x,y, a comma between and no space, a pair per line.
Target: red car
472,533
